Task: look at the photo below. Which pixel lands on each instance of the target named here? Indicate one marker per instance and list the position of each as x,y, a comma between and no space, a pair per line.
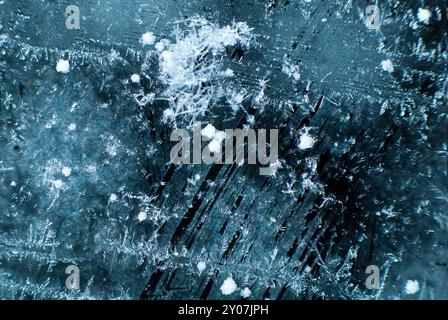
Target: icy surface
85,172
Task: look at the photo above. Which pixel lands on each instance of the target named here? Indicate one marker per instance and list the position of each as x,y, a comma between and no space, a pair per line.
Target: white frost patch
201,266
275,252
219,136
135,78
142,216
246,292
195,58
72,126
215,146
147,39
113,197
13,184
412,287
306,141
111,150
235,100
143,99
229,73
91,169
229,286
209,131
63,66
113,145
423,15
66,171
58,184
215,136
291,69
384,106
168,114
387,65
161,45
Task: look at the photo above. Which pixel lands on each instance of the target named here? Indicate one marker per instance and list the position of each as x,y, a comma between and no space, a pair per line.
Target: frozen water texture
85,172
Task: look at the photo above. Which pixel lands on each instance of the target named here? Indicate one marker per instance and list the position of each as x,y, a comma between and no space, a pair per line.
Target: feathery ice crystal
191,67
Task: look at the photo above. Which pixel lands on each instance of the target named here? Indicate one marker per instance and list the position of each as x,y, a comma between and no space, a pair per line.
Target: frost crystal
142,216
209,131
135,78
189,65
66,171
306,140
423,15
412,287
246,292
201,266
63,66
58,184
291,69
147,39
229,286
387,65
